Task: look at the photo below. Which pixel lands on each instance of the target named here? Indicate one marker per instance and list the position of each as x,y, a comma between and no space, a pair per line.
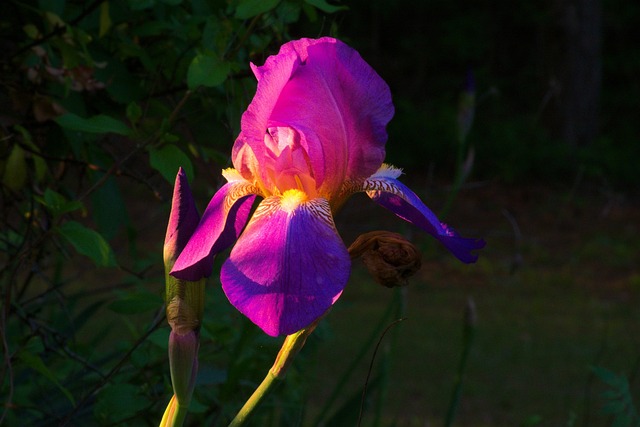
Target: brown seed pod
390,258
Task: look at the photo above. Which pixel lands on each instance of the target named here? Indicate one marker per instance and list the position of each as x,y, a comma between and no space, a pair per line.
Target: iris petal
221,224
399,199
343,129
351,108
288,267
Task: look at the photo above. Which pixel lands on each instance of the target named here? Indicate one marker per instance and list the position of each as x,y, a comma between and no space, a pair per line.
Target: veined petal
221,224
332,98
390,193
345,129
289,266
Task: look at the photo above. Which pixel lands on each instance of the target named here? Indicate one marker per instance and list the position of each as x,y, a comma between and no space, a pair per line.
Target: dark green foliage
100,103
617,400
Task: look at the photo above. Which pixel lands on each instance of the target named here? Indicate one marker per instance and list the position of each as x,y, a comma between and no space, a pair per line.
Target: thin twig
123,160
113,371
58,29
373,358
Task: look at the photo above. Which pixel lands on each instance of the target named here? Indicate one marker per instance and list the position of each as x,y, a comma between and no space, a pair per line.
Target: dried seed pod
390,258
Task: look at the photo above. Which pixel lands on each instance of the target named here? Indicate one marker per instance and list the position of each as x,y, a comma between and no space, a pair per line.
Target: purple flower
313,135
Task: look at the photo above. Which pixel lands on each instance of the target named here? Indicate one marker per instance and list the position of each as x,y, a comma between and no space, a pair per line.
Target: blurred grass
560,298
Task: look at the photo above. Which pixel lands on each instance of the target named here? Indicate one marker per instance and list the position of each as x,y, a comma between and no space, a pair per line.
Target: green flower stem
174,415
290,347
469,332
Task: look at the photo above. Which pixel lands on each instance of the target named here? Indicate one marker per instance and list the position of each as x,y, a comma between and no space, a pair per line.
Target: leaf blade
96,124
89,243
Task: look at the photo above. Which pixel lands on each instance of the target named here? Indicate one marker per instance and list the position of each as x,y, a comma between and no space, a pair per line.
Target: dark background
101,101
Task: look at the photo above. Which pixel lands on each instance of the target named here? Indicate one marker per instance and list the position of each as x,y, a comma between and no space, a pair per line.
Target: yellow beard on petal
230,174
291,199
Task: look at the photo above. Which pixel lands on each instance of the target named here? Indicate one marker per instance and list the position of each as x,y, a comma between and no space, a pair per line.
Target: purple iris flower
313,135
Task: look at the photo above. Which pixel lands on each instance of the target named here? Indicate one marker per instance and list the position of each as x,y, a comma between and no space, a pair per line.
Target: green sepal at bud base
185,303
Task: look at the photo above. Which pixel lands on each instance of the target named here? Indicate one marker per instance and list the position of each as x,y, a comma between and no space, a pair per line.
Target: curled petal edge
387,191
222,222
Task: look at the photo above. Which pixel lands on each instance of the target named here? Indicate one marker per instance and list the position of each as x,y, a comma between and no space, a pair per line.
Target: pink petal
288,267
398,198
336,102
221,224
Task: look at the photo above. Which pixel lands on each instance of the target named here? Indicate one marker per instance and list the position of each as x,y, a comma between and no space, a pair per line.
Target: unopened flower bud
183,220
184,299
183,313
389,257
183,361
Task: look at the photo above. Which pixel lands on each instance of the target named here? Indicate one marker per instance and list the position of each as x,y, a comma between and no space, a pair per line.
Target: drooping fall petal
390,193
221,224
289,266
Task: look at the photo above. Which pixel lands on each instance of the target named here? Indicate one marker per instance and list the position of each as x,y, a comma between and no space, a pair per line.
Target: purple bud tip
183,219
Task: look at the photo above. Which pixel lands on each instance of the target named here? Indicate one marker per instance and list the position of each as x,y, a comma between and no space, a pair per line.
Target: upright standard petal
386,190
289,266
345,109
221,224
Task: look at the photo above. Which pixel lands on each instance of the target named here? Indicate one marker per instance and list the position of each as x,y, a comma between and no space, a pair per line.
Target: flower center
291,199
288,164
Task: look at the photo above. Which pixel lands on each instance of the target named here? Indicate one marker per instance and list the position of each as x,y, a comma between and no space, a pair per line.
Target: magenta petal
398,198
288,267
221,224
337,103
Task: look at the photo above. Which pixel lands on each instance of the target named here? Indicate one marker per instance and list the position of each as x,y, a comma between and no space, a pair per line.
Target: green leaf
141,4
89,243
137,303
58,204
118,402
168,159
608,377
160,337
31,31
109,208
96,124
56,6
105,19
34,362
618,401
250,8
134,112
9,240
15,171
207,70
39,163
324,6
